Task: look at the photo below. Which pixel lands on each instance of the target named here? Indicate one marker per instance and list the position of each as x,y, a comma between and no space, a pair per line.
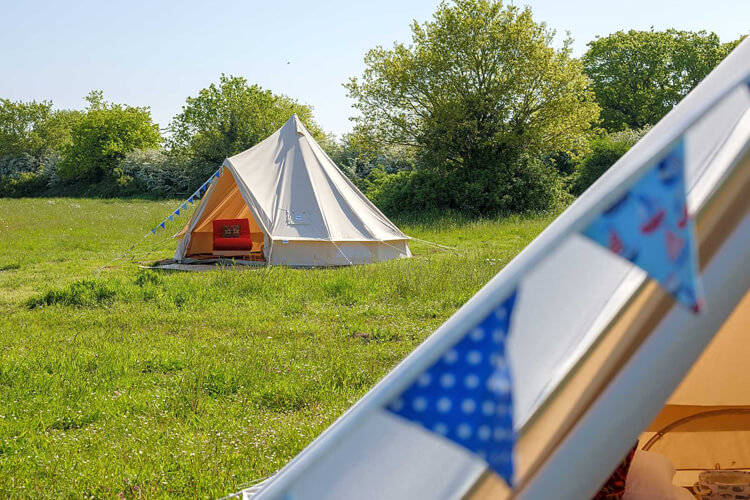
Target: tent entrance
225,226
706,422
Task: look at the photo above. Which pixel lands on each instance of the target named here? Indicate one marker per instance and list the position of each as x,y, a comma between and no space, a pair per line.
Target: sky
156,53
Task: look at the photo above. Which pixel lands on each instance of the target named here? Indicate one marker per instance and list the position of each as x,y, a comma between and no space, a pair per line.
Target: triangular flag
184,206
177,212
162,224
650,227
217,174
190,200
171,217
153,231
466,395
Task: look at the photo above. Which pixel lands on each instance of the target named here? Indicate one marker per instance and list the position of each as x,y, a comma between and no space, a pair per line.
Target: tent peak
297,123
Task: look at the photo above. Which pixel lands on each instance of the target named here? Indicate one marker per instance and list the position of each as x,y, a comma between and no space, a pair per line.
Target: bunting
466,395
650,226
183,207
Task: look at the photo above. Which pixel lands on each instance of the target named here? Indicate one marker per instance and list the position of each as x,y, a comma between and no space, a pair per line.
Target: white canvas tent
596,348
302,210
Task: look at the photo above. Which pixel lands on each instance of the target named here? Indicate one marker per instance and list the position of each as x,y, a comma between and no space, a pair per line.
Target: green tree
102,137
34,128
477,94
225,119
56,131
638,76
19,124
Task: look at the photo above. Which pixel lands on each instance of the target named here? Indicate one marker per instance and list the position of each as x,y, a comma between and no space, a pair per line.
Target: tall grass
138,383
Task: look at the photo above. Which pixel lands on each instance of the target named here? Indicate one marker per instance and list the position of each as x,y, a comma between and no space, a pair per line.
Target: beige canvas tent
295,205
601,355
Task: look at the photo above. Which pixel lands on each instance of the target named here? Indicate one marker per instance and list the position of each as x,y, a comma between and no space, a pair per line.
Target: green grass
137,383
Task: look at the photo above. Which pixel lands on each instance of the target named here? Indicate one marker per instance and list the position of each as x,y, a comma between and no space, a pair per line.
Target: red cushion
224,227
241,243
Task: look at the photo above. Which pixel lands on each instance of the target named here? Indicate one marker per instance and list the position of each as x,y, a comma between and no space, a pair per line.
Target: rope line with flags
182,208
197,195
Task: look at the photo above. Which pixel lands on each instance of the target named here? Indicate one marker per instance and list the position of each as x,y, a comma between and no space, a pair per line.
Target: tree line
478,113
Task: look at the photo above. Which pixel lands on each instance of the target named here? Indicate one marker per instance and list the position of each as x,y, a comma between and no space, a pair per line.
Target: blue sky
156,53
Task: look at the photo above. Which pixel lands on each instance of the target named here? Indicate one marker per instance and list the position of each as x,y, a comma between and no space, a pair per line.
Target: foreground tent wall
623,383
301,207
596,348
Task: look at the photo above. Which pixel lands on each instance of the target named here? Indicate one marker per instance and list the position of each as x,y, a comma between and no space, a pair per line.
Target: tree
19,122
102,137
638,76
231,117
478,90
34,128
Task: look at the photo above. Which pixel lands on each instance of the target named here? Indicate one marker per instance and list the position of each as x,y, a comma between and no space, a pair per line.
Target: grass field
139,384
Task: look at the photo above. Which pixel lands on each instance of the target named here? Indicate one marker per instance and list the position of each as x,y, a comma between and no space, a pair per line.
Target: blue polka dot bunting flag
650,227
466,397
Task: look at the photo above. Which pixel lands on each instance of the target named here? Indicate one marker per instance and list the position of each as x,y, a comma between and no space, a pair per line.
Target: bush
525,184
27,175
153,171
411,191
605,151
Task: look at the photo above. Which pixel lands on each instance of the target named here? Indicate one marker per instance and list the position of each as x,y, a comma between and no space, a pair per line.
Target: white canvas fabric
570,289
307,209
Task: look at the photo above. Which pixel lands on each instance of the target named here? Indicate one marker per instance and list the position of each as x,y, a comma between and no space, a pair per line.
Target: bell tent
285,202
599,354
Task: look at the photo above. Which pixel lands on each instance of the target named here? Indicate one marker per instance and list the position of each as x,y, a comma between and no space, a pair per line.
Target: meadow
131,383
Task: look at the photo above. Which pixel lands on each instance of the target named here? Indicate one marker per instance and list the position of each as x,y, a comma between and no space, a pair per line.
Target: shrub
605,151
27,175
524,184
153,171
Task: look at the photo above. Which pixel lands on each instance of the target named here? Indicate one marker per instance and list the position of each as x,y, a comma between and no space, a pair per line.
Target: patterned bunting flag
171,217
153,231
466,396
650,227
184,206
